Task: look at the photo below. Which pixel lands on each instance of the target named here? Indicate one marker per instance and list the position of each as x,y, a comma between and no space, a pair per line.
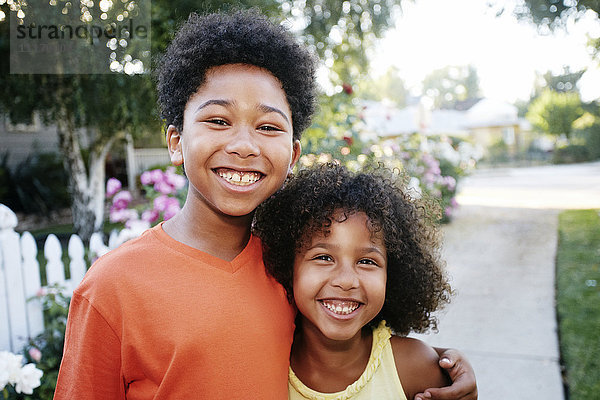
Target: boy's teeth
341,307
239,178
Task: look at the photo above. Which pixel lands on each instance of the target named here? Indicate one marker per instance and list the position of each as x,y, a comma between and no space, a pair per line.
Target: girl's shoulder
417,365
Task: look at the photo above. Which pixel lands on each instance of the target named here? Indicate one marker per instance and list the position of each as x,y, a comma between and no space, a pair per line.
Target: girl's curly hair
244,36
416,281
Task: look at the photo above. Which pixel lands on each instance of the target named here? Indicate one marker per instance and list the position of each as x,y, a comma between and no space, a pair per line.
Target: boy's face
236,141
340,279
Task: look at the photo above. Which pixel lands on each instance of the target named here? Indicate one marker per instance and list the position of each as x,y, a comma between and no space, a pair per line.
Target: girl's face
339,279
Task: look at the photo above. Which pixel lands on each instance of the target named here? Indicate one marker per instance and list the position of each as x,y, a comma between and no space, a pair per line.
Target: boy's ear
296,152
174,144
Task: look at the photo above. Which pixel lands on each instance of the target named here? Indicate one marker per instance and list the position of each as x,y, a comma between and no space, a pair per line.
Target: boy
187,310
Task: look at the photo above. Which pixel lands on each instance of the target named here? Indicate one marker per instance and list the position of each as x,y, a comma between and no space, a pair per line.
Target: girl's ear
174,143
296,152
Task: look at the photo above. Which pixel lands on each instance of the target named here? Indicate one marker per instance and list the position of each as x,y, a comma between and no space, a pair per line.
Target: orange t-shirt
156,319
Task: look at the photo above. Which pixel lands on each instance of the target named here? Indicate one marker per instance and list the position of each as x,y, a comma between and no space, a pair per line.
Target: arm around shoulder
417,365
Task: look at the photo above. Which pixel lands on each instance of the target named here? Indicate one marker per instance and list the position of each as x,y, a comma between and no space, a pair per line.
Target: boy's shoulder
114,266
417,364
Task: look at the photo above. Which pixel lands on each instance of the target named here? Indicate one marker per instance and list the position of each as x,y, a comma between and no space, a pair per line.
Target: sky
432,34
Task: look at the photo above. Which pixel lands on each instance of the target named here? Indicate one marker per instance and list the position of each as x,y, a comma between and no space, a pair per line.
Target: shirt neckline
251,252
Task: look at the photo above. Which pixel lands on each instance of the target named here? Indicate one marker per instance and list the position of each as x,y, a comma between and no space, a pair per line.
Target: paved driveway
500,250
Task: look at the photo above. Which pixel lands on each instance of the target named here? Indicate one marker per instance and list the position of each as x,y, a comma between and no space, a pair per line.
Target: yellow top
378,381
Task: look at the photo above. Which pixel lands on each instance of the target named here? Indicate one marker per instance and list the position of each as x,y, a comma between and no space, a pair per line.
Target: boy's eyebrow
218,102
225,103
266,109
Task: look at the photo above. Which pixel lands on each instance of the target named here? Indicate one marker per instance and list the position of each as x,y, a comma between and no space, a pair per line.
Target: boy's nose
243,143
345,277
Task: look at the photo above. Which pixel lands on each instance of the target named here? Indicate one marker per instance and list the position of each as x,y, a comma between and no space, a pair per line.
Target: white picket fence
20,279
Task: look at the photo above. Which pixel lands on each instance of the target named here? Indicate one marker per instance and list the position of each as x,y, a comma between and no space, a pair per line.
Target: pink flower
41,292
174,179
172,209
150,215
450,182
113,185
35,354
163,187
156,175
161,203
122,200
122,215
146,178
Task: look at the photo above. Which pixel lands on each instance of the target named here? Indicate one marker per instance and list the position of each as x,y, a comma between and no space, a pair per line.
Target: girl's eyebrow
327,246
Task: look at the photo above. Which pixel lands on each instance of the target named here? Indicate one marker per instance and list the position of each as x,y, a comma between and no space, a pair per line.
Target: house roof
384,120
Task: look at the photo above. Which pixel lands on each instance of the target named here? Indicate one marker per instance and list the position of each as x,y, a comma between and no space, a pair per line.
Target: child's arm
464,385
417,365
91,364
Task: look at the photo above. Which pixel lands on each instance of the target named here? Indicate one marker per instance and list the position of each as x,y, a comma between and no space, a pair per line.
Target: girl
360,260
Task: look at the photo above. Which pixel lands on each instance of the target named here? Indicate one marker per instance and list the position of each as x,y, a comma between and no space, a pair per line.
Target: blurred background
490,107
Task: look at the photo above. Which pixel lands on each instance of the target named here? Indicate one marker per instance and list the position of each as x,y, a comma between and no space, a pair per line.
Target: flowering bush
25,378
434,163
164,195
46,349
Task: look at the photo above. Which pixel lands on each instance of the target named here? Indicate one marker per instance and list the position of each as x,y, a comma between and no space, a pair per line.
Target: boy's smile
340,279
236,142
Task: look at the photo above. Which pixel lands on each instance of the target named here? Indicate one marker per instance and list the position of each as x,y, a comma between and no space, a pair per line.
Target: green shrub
592,140
38,185
573,153
497,152
578,301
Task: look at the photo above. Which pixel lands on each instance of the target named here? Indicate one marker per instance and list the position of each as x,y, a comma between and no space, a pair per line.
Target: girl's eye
367,261
323,257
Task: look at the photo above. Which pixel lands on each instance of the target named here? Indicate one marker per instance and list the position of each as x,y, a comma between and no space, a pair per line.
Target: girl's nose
243,143
345,276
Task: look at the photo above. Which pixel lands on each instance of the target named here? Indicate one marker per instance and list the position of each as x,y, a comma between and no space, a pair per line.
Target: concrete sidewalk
500,249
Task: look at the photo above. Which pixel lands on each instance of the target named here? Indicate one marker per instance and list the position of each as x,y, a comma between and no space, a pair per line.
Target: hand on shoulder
417,364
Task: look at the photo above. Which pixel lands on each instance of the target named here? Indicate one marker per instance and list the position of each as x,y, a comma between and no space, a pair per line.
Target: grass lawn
578,301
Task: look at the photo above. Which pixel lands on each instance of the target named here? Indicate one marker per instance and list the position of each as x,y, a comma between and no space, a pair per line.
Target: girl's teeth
342,309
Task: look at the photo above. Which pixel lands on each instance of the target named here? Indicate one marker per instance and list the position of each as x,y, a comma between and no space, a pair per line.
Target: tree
92,112
340,31
389,86
449,85
550,15
562,82
555,113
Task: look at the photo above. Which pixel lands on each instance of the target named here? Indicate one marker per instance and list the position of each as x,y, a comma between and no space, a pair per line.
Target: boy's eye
269,128
217,121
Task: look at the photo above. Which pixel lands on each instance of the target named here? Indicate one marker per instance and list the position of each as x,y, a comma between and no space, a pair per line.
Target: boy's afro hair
309,202
244,36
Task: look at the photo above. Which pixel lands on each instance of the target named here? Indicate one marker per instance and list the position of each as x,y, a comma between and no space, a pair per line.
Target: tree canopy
449,85
555,113
92,111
